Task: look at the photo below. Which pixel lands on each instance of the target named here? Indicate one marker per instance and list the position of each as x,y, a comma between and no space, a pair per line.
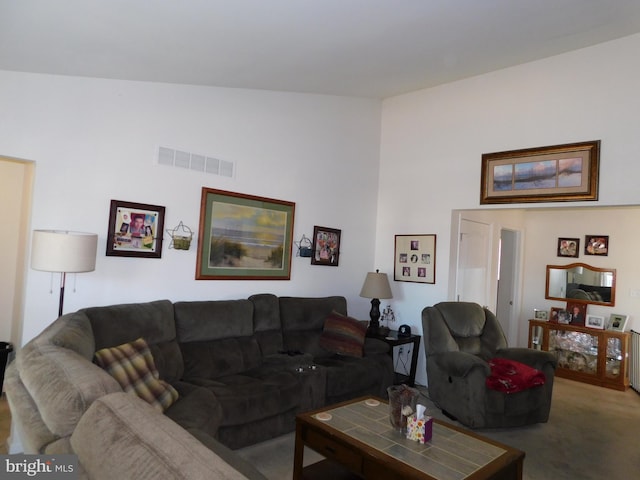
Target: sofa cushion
348,377
196,408
132,365
303,321
154,321
343,335
266,323
219,358
255,394
213,320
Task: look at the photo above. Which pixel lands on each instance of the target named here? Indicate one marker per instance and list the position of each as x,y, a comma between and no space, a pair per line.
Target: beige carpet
592,433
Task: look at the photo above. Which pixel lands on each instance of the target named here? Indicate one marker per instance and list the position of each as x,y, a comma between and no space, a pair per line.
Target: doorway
507,303
16,187
474,263
486,268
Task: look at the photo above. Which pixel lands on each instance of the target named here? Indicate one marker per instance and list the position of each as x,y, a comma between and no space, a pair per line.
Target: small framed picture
415,258
577,313
135,230
326,246
618,322
540,314
559,315
596,245
568,247
594,321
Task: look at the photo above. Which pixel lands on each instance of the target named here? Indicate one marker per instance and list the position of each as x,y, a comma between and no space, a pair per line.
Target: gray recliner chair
459,339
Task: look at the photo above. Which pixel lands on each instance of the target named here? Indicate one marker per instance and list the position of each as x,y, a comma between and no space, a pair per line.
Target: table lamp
65,252
376,286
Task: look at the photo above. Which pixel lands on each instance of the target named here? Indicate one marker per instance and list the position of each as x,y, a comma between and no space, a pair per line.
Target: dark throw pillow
343,335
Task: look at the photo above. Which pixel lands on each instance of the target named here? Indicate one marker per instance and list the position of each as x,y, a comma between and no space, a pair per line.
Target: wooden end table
394,340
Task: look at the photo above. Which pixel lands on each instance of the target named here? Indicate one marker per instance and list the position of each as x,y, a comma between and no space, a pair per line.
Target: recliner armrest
459,364
533,358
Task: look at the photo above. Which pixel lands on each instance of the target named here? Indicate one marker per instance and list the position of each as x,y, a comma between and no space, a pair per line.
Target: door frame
494,251
515,266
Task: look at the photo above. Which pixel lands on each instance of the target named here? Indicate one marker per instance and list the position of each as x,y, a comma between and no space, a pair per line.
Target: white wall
432,142
96,140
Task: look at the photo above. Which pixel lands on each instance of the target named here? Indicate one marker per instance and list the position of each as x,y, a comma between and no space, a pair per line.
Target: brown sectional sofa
243,369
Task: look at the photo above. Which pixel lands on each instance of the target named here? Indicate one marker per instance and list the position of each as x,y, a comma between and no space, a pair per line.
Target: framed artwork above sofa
244,237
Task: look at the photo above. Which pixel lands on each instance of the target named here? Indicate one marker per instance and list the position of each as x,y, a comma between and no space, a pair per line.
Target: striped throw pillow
343,335
132,365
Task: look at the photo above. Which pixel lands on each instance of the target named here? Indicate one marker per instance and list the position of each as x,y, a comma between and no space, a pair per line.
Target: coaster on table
371,402
324,416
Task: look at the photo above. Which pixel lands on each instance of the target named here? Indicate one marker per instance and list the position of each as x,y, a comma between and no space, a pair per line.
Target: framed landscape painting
244,237
557,173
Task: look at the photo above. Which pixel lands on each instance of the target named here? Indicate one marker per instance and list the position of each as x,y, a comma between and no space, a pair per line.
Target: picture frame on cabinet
577,313
594,321
540,314
559,315
618,322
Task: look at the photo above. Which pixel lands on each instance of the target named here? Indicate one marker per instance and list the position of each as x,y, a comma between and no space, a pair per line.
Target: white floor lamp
64,252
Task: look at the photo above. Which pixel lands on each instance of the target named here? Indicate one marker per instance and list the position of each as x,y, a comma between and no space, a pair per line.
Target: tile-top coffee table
358,441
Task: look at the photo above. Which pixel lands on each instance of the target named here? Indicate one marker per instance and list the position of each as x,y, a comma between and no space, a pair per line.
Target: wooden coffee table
358,441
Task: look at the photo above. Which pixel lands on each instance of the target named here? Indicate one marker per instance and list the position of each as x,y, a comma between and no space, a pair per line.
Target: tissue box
419,430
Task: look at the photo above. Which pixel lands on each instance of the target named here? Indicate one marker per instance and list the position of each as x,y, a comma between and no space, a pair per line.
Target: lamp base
374,314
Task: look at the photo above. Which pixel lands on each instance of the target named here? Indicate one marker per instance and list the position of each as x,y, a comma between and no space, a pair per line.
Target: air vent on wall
194,161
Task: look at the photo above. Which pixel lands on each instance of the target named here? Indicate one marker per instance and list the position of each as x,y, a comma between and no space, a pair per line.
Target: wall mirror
579,282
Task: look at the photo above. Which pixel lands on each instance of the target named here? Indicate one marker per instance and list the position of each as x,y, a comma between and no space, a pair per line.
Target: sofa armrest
35,435
460,364
537,359
121,436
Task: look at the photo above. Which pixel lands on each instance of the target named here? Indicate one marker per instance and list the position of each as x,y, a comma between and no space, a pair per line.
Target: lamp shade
376,285
63,251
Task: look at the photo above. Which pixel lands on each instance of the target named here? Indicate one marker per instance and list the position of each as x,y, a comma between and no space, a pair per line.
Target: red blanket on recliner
509,376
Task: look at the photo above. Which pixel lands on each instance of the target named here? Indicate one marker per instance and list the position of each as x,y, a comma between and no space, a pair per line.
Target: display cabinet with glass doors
598,357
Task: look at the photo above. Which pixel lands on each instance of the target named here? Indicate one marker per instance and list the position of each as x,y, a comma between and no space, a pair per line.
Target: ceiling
369,48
